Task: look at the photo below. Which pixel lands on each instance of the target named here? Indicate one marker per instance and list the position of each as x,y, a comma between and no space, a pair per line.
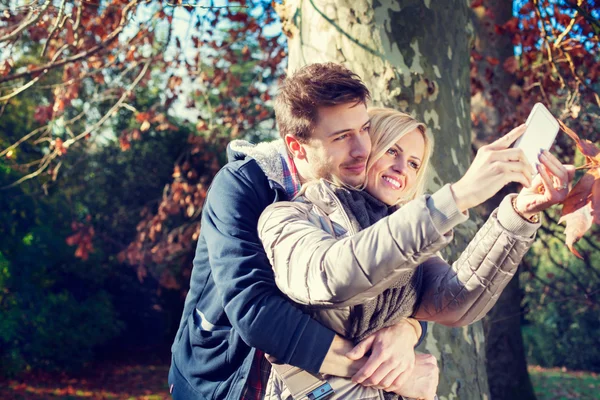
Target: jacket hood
268,156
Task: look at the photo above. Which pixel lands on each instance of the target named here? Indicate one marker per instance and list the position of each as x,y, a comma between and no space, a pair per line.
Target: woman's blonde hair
387,127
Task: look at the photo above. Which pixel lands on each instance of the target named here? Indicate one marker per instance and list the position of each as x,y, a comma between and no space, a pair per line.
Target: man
234,312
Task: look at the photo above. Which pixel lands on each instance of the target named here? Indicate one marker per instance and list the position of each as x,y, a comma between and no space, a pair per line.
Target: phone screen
541,131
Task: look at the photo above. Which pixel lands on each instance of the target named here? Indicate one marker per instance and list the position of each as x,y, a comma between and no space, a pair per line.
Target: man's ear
295,147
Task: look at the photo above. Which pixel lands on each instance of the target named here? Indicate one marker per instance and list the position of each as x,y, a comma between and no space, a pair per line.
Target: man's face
340,143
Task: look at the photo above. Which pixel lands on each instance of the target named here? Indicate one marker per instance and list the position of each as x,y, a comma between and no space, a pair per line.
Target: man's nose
361,147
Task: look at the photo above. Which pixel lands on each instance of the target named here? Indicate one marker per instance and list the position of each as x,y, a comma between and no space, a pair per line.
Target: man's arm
243,275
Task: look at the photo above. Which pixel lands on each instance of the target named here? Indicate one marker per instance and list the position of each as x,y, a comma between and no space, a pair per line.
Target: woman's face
396,171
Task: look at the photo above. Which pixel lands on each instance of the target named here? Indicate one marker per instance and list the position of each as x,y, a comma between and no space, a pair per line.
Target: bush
562,300
54,310
564,340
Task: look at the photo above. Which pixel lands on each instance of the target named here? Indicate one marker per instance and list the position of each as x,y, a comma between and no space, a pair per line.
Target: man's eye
342,137
365,129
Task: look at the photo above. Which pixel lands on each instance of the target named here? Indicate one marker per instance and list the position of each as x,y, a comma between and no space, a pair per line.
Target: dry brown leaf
579,207
577,224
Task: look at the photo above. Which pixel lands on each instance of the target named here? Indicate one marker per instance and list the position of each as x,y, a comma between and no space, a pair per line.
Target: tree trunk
414,56
494,112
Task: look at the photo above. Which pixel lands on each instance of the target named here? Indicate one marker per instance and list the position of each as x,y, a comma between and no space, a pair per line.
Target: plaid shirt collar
291,179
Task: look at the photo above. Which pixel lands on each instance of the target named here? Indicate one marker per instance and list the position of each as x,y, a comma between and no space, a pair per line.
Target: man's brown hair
311,87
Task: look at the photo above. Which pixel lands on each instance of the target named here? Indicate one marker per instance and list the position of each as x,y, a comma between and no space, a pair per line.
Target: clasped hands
393,365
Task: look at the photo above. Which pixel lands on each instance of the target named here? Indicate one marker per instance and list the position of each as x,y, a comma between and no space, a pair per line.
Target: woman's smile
392,182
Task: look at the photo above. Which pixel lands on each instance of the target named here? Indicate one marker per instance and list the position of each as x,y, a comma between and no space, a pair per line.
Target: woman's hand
549,187
423,381
392,356
494,166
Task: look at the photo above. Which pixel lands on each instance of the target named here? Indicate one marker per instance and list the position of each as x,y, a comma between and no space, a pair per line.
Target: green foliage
54,312
561,298
560,338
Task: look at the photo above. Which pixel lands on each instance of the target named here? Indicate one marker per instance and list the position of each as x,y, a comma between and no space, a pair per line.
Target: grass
561,384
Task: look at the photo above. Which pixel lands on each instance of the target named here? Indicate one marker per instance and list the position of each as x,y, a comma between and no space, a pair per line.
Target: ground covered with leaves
148,382
141,379
561,384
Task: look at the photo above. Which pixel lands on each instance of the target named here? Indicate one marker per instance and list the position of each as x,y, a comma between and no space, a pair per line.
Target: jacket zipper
339,204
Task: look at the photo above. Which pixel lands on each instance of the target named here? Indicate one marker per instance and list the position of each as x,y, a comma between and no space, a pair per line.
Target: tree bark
494,111
414,56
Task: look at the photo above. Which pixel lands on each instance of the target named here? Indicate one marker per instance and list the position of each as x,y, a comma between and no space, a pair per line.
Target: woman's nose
400,166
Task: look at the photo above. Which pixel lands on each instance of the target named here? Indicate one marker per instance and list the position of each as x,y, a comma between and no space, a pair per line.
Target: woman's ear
295,147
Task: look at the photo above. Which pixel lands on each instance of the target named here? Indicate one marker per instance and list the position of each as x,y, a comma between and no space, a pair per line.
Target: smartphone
539,135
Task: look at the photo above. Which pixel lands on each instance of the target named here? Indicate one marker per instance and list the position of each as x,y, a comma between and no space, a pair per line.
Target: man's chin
356,181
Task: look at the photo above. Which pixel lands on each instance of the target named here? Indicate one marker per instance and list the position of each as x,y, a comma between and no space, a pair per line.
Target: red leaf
59,145
43,114
579,208
493,60
239,17
512,25
586,147
578,223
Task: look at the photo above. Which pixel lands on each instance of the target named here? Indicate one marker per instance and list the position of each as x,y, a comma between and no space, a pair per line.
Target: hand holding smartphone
539,135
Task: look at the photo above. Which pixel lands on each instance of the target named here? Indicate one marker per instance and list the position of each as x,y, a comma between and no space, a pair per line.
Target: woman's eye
414,165
392,152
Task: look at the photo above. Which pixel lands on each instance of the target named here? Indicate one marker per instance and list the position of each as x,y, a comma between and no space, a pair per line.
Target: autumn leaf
492,60
579,207
60,147
578,223
82,238
587,148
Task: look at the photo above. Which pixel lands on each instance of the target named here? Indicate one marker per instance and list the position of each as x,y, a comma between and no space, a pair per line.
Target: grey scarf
398,301
395,303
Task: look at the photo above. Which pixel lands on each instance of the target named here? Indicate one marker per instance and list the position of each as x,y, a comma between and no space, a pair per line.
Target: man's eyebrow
402,151
348,129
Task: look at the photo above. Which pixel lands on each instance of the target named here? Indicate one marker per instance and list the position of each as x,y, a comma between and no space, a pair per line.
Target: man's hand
392,355
423,380
494,166
549,187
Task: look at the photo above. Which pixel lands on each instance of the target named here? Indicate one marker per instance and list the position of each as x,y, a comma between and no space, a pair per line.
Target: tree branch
84,54
55,27
29,20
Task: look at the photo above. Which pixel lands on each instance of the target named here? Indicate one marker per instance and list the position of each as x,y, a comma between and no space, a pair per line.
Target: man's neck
303,170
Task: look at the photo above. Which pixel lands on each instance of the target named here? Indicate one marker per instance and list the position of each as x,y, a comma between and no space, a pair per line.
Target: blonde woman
361,260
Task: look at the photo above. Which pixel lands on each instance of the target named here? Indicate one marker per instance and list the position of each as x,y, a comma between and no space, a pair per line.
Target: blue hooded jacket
234,305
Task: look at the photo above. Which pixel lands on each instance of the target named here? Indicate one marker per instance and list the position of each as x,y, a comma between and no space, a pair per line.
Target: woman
336,252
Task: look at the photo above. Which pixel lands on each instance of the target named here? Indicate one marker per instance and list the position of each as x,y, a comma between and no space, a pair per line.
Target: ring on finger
562,187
